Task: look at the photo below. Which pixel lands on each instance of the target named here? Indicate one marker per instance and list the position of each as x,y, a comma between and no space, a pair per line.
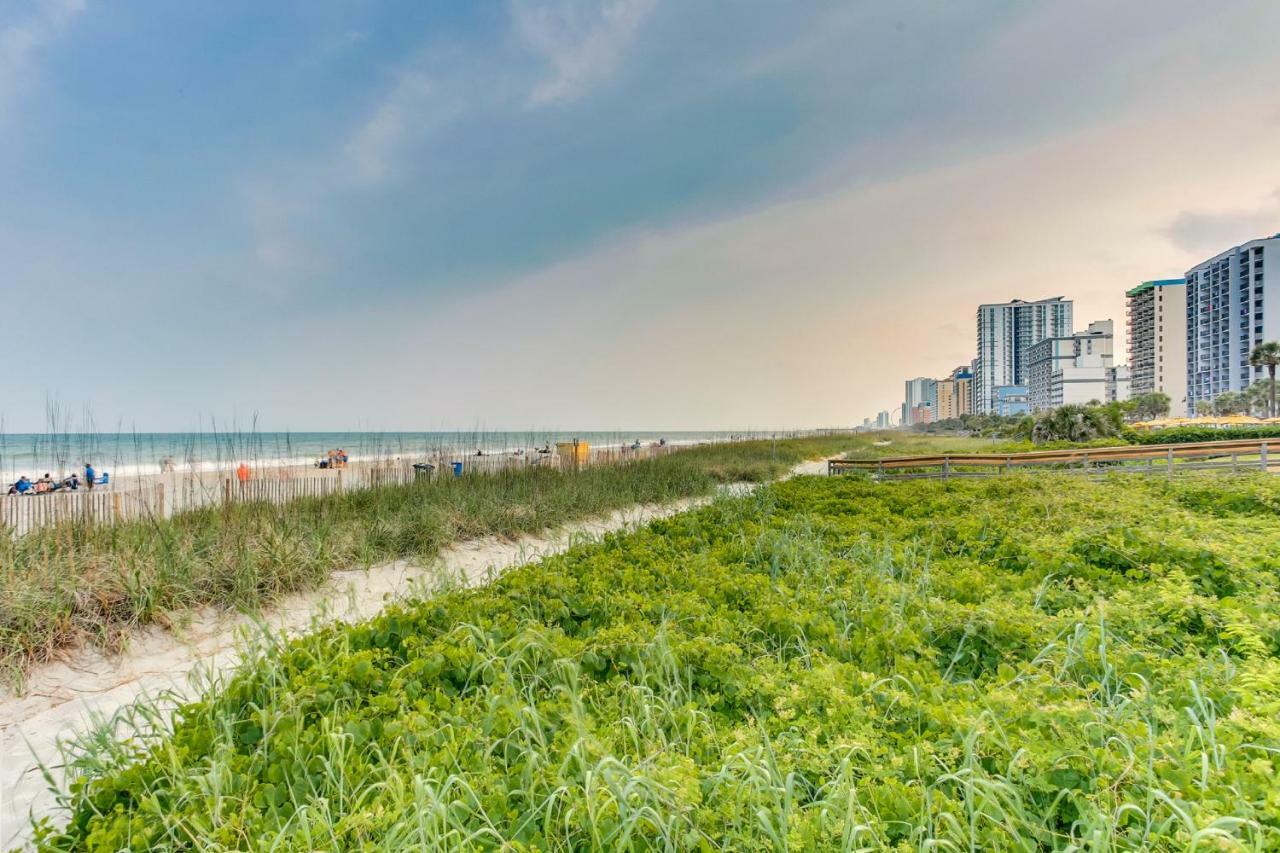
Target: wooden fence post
115,506
160,499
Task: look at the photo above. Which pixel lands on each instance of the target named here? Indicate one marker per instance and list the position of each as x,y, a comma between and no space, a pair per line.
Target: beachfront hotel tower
954,395
1006,333
921,402
1074,368
1230,309
1157,325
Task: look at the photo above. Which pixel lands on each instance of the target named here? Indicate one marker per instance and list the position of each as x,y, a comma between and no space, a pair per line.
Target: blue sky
561,213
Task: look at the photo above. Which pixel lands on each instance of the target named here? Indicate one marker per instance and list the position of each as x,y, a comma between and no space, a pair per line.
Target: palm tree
1268,355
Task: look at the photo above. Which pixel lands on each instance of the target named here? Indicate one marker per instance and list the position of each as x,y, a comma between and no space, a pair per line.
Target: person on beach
89,475
44,484
72,482
242,473
21,486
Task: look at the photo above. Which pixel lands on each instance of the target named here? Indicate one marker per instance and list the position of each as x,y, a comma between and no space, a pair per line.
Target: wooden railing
1166,459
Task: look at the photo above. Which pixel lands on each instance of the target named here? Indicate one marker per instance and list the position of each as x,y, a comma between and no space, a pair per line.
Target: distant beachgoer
662,442
89,475
72,482
21,487
242,473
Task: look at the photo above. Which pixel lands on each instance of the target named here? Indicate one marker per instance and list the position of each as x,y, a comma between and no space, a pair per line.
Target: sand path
65,698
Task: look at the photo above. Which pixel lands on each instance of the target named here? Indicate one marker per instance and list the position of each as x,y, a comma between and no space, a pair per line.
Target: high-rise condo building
954,394
1157,312
1228,313
1006,331
921,393
1072,368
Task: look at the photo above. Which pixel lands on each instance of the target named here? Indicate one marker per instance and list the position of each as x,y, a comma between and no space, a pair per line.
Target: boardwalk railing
177,493
1165,459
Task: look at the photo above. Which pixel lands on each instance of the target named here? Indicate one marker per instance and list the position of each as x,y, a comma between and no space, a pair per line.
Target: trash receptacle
457,469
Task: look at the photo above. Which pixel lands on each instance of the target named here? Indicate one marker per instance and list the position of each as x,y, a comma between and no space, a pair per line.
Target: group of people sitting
336,459
24,486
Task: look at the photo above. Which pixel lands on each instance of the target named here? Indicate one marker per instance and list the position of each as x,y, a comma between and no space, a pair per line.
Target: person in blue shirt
22,486
89,474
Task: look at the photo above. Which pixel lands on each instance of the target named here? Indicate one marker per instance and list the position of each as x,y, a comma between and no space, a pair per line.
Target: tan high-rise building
1158,340
955,397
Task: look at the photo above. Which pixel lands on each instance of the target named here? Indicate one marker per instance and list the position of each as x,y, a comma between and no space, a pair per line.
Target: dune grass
75,583
1022,663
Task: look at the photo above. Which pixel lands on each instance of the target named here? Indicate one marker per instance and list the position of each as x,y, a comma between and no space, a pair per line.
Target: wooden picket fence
21,514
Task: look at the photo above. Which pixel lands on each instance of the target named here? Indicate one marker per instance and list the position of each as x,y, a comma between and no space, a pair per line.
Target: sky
621,214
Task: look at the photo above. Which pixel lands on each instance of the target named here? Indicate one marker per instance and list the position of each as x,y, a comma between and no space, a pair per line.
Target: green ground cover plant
1186,434
75,583
1020,663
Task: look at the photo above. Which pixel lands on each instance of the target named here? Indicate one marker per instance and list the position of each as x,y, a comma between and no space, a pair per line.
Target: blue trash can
457,469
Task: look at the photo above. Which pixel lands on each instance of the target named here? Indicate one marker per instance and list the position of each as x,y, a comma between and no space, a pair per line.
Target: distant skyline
630,214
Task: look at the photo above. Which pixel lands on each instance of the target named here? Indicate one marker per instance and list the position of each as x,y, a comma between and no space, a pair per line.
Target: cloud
373,144
22,40
582,41
437,87
1208,233
810,311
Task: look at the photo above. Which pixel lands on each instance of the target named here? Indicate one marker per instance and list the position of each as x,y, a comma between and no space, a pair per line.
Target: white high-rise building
1157,313
1073,368
1006,331
921,396
1229,312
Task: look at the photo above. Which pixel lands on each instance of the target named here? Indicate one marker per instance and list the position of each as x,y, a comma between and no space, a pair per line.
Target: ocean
130,454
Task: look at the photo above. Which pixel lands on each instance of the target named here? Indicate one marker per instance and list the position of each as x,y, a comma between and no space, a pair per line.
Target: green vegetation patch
75,582
828,664
1189,434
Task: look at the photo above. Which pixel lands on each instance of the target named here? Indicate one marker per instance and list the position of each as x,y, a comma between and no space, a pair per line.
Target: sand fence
163,495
